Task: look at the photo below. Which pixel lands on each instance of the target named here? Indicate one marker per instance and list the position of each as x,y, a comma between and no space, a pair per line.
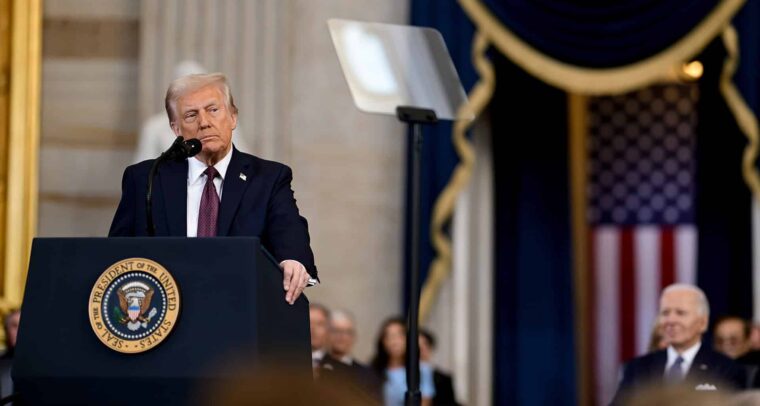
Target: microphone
182,149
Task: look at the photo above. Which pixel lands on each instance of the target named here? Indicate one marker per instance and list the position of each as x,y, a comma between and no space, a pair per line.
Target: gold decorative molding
22,141
743,114
578,131
479,96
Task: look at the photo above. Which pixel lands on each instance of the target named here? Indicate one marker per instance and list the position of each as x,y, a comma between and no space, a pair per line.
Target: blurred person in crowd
675,395
338,367
10,325
731,336
318,326
156,136
657,339
684,312
754,338
390,365
443,383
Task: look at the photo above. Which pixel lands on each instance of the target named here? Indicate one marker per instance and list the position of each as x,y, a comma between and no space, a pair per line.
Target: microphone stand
180,149
414,117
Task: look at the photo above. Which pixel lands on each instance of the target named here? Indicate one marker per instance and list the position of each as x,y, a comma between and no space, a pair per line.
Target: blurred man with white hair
338,367
684,314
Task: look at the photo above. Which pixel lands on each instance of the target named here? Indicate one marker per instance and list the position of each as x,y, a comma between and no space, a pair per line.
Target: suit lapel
174,183
701,363
236,180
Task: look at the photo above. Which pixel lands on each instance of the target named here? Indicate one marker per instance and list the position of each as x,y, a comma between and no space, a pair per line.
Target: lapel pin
242,176
703,367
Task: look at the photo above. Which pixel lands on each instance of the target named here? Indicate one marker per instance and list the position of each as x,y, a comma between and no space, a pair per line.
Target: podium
231,307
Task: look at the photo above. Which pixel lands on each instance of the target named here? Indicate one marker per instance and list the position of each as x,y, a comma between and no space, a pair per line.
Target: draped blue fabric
438,155
534,352
600,33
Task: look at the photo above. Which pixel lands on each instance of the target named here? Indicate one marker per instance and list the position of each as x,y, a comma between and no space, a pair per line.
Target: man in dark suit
443,382
221,191
339,370
684,312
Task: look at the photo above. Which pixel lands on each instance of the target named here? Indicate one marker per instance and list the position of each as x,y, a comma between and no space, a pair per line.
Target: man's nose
203,119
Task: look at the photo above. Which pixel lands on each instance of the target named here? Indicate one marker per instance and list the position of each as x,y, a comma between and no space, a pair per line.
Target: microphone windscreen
192,147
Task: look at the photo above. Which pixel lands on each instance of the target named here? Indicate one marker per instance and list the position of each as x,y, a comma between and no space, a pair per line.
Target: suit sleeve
287,232
629,370
123,224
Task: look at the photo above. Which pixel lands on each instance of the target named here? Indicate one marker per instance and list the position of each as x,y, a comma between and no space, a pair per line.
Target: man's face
730,339
682,323
204,114
318,327
342,337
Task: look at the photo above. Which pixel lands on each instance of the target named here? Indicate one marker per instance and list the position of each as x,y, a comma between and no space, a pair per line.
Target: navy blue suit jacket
708,367
257,200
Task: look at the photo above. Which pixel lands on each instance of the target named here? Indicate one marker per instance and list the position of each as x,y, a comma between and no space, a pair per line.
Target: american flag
641,217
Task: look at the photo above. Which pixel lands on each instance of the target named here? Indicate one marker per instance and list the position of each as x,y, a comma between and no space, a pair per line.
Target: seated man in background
10,325
444,386
339,368
731,337
683,313
318,319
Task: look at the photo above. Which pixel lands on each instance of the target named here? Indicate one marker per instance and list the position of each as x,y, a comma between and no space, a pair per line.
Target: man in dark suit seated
338,368
221,191
443,383
684,312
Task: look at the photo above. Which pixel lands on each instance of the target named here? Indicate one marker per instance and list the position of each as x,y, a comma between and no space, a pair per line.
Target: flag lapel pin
243,177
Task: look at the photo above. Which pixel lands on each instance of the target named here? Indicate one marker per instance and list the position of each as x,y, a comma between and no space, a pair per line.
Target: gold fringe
744,116
573,79
479,96
578,126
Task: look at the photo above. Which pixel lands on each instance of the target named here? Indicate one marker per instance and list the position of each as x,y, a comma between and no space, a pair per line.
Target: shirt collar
195,167
688,356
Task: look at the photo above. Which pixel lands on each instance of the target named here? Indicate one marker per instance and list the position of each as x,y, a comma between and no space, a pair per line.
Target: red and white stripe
629,268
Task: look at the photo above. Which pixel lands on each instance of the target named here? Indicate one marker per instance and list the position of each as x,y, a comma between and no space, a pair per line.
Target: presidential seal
134,305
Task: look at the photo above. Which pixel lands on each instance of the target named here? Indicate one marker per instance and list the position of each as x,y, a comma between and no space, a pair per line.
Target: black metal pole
413,396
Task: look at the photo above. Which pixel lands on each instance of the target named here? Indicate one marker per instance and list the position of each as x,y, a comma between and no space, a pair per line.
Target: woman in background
390,365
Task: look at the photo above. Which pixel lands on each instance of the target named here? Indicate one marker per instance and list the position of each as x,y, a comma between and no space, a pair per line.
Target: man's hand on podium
295,279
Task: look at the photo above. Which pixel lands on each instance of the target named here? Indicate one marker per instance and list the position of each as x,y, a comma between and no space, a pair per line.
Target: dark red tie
209,210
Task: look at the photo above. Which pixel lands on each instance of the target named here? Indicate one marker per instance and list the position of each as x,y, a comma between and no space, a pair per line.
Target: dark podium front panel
232,308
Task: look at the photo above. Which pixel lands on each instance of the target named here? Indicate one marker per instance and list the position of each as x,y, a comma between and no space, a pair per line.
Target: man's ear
175,128
234,121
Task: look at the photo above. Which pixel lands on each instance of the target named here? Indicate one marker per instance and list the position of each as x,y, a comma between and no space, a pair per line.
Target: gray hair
340,314
186,84
703,306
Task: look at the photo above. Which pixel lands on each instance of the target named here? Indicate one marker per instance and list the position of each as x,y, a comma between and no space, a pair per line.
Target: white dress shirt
196,181
688,357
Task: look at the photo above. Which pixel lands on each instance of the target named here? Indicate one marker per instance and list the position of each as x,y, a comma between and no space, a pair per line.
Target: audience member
339,369
10,325
684,312
657,339
731,336
318,317
444,386
389,364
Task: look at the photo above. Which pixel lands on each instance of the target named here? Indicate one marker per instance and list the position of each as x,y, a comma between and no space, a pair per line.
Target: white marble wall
295,107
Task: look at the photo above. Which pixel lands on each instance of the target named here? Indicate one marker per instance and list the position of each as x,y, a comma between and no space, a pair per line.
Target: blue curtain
600,33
